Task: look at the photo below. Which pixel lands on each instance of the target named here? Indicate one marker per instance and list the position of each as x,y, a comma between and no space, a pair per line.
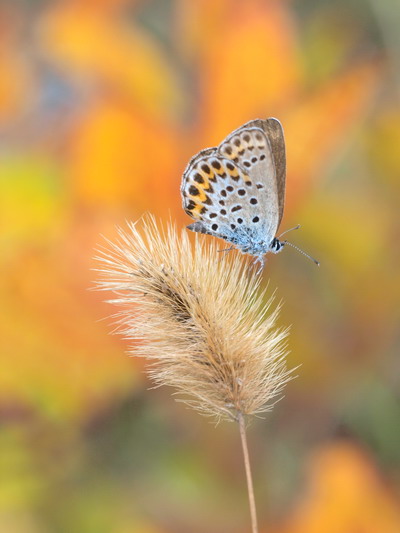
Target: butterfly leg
259,259
227,249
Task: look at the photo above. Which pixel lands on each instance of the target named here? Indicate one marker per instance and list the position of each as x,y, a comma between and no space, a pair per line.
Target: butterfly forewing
250,150
234,191
212,186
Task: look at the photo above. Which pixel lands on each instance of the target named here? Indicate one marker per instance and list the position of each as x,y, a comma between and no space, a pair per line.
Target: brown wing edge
274,131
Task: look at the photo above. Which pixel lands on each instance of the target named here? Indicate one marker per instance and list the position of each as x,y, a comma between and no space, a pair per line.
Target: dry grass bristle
199,318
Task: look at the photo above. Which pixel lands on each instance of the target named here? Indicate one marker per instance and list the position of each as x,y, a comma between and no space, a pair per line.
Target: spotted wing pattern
231,190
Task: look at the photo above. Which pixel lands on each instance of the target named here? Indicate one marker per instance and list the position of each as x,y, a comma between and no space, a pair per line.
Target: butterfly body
235,191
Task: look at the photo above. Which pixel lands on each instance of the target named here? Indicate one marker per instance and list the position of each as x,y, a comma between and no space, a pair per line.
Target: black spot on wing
194,191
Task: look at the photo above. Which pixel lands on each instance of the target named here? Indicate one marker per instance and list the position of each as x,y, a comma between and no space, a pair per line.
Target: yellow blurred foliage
344,494
124,150
96,45
120,157
102,104
252,53
323,123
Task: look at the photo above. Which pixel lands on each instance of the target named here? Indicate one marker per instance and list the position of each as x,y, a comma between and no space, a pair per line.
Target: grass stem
250,489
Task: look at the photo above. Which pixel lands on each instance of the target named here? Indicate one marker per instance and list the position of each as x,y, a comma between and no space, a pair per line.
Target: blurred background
102,103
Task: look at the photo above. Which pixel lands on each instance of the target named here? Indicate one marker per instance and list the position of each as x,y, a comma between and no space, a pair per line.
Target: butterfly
236,191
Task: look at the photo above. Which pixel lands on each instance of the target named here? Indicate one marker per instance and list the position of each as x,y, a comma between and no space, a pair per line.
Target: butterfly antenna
302,252
287,231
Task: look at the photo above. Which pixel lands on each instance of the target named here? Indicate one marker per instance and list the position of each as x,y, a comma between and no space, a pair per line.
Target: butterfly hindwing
212,186
235,191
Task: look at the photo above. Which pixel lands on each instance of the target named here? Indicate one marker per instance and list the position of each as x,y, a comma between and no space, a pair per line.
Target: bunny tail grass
201,322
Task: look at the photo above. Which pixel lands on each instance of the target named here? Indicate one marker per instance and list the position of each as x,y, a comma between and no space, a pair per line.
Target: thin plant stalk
250,489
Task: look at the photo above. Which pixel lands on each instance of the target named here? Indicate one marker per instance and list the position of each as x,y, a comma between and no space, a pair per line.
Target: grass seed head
199,318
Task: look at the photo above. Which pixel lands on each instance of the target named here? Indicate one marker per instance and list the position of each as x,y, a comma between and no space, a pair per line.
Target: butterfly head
277,245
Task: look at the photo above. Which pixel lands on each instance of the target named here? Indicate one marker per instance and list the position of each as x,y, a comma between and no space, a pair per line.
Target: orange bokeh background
102,103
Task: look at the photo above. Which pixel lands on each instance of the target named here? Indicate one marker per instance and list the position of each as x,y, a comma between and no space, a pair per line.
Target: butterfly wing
274,132
211,189
255,146
234,187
